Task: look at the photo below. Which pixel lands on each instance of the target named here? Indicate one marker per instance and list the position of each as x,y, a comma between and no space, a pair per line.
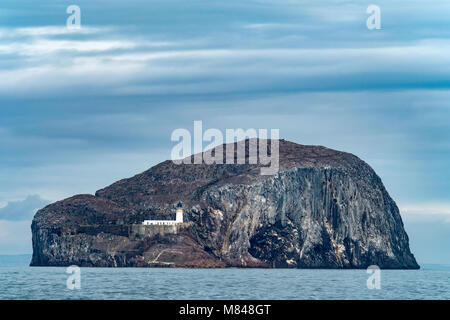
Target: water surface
23,282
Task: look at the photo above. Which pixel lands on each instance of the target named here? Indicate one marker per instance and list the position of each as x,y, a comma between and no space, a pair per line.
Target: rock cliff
323,209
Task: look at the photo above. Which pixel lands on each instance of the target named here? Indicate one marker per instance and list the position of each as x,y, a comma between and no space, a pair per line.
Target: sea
19,281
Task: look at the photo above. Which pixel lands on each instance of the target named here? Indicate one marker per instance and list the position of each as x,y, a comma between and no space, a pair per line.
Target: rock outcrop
323,209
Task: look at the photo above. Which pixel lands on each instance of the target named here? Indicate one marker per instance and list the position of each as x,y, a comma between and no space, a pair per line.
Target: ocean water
23,282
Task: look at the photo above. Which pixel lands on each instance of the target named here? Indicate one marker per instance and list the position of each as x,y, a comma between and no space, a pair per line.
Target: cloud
437,212
229,57
219,70
15,224
41,31
426,208
22,210
40,47
15,237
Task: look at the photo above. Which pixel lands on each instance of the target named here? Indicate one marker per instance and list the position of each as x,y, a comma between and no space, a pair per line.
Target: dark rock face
324,209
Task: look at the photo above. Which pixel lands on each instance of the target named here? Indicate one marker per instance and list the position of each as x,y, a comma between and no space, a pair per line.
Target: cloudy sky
82,109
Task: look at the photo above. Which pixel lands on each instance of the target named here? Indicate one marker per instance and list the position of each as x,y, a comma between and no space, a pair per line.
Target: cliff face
324,209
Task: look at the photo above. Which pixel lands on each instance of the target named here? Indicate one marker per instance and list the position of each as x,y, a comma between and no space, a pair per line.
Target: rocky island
323,209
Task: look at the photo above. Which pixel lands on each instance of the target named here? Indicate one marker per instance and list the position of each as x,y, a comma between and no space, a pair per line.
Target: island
322,209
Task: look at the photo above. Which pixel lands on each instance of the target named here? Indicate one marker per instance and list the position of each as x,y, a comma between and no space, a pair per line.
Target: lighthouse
179,211
178,219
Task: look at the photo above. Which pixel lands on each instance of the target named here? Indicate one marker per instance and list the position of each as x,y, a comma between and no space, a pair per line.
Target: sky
80,109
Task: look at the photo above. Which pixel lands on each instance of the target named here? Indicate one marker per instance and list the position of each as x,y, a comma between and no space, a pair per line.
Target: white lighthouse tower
179,211
178,219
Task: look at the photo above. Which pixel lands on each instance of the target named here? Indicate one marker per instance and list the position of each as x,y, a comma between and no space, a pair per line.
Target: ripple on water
139,283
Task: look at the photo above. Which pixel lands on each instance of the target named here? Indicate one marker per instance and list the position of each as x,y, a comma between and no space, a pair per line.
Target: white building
178,219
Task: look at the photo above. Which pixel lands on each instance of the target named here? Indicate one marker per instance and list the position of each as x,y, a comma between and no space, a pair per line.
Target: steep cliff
323,209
